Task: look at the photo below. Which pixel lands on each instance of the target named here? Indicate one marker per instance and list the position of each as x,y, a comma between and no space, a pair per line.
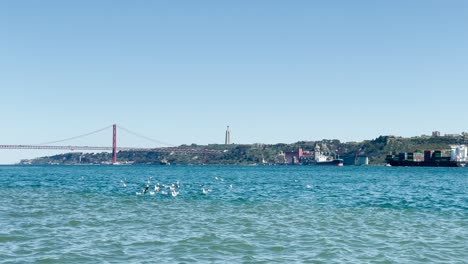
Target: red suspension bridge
114,148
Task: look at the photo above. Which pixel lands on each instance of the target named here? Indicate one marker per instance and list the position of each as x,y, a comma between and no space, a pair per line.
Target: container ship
458,157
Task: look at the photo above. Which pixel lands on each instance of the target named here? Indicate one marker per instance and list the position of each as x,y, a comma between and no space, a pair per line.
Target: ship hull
426,164
336,162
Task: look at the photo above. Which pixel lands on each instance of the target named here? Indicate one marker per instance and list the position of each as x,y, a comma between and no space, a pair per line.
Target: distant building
436,133
293,157
452,135
362,160
227,140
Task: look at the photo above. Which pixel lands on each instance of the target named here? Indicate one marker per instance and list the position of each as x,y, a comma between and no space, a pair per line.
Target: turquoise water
303,214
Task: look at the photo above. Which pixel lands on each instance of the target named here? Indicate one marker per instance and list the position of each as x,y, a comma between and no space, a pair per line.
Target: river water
233,214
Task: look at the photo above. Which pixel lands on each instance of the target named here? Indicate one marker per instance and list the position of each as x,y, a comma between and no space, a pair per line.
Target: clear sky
274,71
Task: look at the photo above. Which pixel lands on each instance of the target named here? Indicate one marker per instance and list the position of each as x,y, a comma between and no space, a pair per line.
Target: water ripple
65,214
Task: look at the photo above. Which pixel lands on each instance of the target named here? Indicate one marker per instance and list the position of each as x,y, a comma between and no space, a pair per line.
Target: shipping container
402,156
427,155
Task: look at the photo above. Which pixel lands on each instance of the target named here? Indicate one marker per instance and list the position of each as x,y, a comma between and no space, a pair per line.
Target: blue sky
274,71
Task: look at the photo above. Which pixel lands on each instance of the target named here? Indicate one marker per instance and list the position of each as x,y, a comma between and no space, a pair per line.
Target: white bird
230,186
174,193
164,192
308,186
149,180
152,193
156,188
175,184
216,177
206,191
123,183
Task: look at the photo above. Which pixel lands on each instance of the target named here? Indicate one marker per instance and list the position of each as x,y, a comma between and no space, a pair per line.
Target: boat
334,162
322,160
164,162
456,157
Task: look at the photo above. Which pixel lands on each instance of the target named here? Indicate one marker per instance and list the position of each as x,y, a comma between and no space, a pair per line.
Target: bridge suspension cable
75,137
145,137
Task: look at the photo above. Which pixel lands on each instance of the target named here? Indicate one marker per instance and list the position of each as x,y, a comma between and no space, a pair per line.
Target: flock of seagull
173,188
167,189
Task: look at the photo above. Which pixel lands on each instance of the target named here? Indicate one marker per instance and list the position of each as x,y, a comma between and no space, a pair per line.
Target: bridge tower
114,144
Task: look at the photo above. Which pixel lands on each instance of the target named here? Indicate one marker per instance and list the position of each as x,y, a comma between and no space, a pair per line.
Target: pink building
293,157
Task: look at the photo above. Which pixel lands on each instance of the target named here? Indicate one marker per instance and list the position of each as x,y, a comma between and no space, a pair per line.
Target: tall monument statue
228,136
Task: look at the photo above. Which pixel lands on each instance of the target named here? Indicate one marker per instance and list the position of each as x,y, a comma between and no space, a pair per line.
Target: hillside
234,154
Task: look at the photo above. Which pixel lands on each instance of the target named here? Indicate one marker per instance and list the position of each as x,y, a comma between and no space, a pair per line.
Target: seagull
156,187
206,191
230,186
149,180
146,189
175,184
123,183
309,186
174,193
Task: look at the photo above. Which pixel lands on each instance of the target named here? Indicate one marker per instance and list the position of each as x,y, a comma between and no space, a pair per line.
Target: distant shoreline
302,152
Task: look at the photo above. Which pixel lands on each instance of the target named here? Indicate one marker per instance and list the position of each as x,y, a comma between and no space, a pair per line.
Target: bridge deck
72,148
